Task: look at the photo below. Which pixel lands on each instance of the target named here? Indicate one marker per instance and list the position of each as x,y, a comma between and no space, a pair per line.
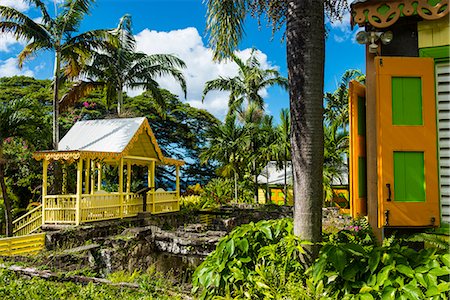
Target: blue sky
178,27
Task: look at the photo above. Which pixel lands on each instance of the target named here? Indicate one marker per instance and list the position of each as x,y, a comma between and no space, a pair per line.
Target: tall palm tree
305,34
120,66
283,143
16,120
335,153
336,103
245,86
57,34
228,143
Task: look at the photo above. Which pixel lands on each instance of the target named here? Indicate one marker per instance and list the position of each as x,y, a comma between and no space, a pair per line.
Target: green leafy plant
393,271
218,191
254,260
357,232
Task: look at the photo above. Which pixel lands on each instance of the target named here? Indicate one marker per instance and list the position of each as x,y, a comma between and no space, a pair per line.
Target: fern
432,240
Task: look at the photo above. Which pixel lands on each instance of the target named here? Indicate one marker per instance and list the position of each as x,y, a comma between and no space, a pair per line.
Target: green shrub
262,261
217,192
191,202
254,260
351,271
358,232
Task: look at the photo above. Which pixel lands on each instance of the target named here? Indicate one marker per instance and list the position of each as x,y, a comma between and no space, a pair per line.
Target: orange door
406,131
357,168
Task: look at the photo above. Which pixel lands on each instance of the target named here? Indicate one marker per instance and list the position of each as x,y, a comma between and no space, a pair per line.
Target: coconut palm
335,154
56,34
228,143
305,35
120,66
16,120
283,144
336,103
251,79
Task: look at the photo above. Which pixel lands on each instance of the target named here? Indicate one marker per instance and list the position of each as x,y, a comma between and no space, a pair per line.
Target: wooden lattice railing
29,222
162,202
62,209
22,245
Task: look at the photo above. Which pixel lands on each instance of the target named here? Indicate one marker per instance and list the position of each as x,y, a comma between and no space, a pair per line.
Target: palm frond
225,24
31,50
27,31
46,19
73,12
77,92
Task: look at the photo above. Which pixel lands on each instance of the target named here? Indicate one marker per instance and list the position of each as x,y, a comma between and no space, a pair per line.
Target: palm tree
336,103
120,66
305,34
335,153
283,143
251,79
228,143
55,34
16,120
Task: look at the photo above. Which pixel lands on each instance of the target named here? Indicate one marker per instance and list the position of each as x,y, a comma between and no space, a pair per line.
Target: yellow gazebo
93,144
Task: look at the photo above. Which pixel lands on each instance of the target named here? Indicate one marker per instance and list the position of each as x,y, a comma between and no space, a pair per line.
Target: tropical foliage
120,66
247,84
263,260
305,35
58,34
181,133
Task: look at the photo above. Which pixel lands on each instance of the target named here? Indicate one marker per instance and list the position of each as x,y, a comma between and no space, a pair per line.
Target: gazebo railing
62,209
162,202
59,209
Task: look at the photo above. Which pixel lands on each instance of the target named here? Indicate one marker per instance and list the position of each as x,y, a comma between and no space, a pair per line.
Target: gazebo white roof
109,139
107,135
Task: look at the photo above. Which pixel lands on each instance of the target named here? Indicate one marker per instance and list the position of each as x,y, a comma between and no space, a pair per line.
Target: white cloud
187,44
17,4
9,68
8,41
341,29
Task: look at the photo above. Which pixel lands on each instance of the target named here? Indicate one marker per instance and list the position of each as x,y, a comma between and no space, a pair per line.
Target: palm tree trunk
235,188
56,99
305,58
255,182
119,101
267,185
6,200
285,180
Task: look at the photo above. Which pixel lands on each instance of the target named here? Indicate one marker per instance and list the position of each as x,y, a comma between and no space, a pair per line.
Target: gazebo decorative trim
382,14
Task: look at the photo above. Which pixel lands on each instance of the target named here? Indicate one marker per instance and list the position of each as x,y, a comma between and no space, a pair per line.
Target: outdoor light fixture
364,37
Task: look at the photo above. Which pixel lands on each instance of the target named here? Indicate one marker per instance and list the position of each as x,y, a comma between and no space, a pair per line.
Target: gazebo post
121,186
177,168
86,179
128,178
44,187
92,177
64,178
99,176
153,185
79,191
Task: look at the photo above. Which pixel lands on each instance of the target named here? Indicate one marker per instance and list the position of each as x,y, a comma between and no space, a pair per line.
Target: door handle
388,185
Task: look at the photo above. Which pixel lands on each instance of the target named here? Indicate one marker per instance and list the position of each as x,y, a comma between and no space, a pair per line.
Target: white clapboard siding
443,99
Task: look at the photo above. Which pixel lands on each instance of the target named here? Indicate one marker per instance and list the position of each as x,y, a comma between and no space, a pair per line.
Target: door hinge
386,218
381,62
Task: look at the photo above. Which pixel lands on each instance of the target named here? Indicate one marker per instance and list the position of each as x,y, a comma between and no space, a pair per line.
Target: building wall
434,41
434,33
